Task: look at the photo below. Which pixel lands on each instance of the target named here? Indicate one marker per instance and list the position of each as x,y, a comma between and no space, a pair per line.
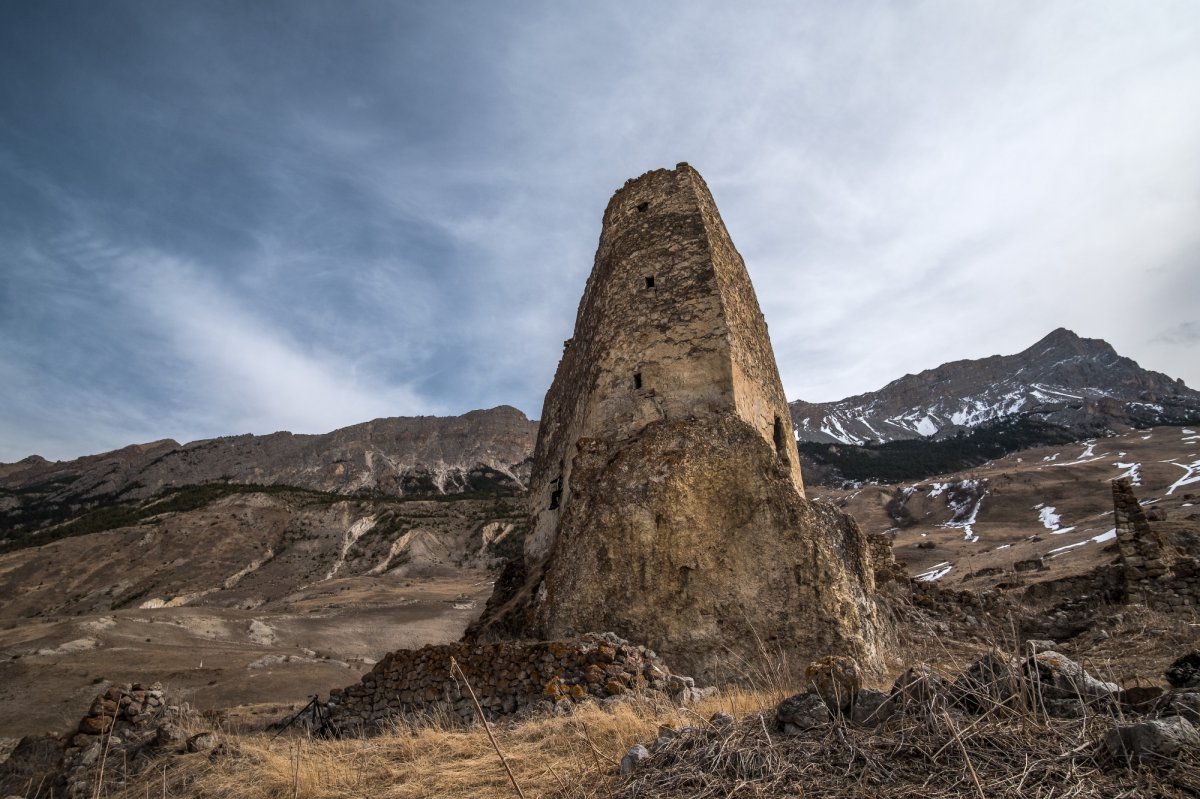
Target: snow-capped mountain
1078,383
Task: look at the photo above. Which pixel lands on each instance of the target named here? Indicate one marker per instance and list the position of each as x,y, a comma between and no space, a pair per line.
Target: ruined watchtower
668,328
666,498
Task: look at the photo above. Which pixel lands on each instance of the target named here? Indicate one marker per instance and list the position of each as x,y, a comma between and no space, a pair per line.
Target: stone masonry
1154,572
507,678
668,328
666,499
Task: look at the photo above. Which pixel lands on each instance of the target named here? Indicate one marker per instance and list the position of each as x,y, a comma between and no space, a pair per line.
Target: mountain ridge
1077,383
393,457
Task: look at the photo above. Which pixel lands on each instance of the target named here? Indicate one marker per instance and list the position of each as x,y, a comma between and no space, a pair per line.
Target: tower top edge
650,181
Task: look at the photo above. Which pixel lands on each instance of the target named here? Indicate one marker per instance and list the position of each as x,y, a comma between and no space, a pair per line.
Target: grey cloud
228,218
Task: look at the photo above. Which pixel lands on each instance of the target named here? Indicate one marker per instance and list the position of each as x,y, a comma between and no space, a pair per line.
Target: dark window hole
650,281
781,447
637,379
642,207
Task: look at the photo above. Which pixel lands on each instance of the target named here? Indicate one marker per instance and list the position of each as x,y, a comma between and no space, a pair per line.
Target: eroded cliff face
692,539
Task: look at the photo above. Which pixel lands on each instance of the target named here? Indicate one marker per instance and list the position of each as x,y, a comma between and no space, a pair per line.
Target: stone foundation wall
507,678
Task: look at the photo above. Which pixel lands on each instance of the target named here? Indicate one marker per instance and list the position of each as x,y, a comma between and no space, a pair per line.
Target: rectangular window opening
637,380
650,281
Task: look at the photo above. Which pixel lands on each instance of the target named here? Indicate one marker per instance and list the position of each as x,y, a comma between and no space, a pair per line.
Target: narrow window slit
650,281
781,447
637,379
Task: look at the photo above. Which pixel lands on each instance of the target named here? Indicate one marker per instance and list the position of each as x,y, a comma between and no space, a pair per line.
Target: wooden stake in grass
454,667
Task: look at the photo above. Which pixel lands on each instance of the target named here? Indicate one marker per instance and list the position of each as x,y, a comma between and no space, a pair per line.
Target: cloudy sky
227,217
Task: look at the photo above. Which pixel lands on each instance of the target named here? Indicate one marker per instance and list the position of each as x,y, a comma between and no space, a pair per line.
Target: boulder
1185,672
744,545
991,681
801,712
1149,740
871,708
836,679
636,755
1187,705
919,685
1055,677
201,742
170,736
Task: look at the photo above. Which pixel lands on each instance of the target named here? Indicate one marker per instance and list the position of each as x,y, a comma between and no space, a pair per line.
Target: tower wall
668,328
666,492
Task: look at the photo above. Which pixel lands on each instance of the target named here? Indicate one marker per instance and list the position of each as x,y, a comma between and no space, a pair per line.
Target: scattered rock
990,681
169,736
1186,705
801,712
201,742
1158,738
1059,677
33,755
1141,695
1185,672
871,708
633,758
919,685
721,720
836,679
1064,708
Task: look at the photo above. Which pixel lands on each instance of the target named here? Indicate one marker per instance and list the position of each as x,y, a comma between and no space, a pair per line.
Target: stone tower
666,499
668,328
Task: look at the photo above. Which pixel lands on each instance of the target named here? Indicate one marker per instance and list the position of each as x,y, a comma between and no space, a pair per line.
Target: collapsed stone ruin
448,681
1157,564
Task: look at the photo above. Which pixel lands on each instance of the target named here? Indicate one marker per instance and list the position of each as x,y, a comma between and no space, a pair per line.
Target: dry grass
563,756
922,756
928,752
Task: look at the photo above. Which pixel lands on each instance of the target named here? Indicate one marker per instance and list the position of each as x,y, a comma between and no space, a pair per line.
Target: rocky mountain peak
1078,383
1066,343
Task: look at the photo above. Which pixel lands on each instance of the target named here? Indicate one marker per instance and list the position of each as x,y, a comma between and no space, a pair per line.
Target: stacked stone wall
1154,572
507,678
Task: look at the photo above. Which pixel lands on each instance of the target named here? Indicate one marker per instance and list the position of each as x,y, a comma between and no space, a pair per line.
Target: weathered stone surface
169,736
508,678
919,685
1185,671
1060,678
33,755
836,679
633,758
801,712
992,680
1186,705
1158,738
871,708
201,742
666,495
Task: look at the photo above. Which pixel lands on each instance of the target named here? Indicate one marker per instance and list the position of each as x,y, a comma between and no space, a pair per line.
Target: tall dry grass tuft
572,757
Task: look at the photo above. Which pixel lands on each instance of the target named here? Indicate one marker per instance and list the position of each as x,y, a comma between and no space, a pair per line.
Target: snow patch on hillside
1191,474
936,573
1132,470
